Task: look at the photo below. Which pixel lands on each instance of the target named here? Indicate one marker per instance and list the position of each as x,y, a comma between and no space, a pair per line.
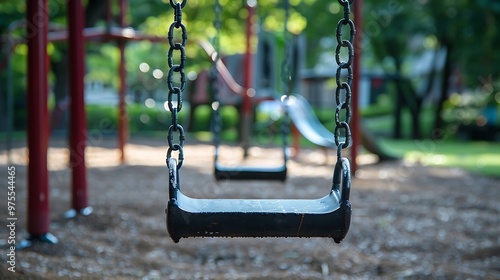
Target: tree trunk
398,108
400,100
415,118
443,94
409,97
59,115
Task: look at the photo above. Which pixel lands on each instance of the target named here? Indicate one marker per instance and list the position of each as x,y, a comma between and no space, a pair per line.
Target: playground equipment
307,123
312,129
302,114
239,172
37,91
328,216
38,225
38,126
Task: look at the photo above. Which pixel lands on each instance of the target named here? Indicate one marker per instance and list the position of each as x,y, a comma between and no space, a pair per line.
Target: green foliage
140,118
386,29
11,11
230,117
100,117
377,110
478,157
19,65
400,30
467,28
383,124
203,118
103,65
470,108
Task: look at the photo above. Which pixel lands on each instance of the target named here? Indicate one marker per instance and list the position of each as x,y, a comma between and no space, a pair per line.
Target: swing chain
217,21
217,121
175,89
285,64
345,83
286,78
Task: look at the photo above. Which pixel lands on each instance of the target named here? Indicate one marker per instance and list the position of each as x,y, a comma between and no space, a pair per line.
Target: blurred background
430,71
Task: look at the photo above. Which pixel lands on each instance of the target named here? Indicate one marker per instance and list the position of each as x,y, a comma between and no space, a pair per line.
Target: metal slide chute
306,122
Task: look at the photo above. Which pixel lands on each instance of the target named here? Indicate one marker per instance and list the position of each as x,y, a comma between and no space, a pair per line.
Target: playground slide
221,68
307,123
313,130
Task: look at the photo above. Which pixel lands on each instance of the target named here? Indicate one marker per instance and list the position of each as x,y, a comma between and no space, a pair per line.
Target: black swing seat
277,173
328,216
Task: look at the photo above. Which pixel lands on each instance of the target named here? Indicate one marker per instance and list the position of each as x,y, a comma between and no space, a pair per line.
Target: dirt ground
409,221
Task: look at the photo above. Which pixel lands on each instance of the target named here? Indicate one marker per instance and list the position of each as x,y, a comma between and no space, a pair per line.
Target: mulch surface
409,221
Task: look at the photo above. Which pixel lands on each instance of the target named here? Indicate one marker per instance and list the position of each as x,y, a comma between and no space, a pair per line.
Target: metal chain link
217,119
344,85
285,64
217,25
175,89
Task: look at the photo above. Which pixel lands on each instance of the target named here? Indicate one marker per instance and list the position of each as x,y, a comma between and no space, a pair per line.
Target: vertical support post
10,99
295,140
247,81
122,110
358,6
38,116
78,123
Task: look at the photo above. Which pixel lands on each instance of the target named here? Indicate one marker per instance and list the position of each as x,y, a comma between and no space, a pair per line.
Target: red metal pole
38,121
247,80
295,140
122,123
78,125
358,6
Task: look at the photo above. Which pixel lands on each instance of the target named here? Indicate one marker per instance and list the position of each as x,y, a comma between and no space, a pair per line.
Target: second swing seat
249,173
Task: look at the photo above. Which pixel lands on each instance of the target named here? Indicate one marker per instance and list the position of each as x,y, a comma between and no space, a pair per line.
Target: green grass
385,124
477,157
230,135
15,136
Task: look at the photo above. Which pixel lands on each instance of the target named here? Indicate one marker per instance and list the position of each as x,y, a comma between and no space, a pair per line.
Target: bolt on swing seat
328,216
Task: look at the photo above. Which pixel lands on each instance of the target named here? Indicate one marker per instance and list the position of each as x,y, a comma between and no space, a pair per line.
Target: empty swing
222,172
328,216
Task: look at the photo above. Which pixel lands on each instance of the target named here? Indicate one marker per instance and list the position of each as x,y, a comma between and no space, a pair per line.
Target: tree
12,12
386,29
465,29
